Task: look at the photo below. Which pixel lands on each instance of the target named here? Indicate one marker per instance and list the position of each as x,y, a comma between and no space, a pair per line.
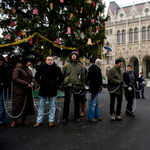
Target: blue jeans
2,108
52,108
93,108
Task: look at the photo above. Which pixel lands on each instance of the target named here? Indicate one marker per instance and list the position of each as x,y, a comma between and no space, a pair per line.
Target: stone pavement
128,134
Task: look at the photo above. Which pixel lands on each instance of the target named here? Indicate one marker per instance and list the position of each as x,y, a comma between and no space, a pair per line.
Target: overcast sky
123,3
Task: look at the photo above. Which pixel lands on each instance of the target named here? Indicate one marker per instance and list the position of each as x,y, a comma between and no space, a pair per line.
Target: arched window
136,34
118,37
123,36
149,32
131,35
144,33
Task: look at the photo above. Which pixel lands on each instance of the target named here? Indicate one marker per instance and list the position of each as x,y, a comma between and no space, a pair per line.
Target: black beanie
24,60
118,61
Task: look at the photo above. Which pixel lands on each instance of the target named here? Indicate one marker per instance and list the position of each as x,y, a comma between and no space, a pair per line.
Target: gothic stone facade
128,35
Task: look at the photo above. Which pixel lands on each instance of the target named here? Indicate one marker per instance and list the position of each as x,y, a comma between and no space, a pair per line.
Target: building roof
114,8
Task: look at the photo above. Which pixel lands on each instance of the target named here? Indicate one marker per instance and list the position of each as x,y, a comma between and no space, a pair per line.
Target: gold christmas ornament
51,6
71,15
24,33
90,28
89,41
1,11
81,10
50,52
16,39
99,13
89,1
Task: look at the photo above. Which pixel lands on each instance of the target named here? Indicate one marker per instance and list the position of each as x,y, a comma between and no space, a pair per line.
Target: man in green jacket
74,81
116,89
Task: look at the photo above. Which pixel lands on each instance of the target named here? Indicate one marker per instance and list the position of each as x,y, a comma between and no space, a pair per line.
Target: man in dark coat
141,85
5,80
116,89
49,77
95,81
130,79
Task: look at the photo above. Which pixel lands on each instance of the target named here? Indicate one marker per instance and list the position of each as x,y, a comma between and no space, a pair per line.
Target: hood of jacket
77,59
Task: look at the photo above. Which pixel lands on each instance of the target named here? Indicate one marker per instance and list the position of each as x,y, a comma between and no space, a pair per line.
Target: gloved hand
143,83
121,83
129,88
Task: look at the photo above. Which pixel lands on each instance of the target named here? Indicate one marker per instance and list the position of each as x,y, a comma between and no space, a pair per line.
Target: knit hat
141,72
118,61
98,62
74,52
24,60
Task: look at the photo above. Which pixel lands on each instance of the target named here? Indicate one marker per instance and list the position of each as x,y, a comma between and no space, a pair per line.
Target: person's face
28,64
1,62
141,74
49,60
129,69
119,65
73,57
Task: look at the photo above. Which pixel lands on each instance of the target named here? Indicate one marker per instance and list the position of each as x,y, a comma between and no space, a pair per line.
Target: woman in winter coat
22,94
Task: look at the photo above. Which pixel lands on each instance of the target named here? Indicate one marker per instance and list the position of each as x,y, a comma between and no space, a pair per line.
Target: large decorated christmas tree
42,27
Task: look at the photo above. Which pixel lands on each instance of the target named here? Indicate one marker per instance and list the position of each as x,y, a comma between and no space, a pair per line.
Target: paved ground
129,134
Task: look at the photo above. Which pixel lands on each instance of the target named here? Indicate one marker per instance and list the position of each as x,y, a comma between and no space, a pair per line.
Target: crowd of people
73,77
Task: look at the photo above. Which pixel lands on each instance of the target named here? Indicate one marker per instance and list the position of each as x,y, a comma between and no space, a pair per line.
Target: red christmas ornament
6,59
12,24
8,36
13,10
75,8
35,11
77,51
79,25
30,42
93,4
98,28
62,1
19,33
68,30
57,40
22,0
105,25
92,21
100,1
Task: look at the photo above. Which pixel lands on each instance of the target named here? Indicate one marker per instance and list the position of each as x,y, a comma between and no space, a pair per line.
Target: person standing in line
116,89
23,81
74,81
83,99
95,82
142,84
49,77
5,81
130,79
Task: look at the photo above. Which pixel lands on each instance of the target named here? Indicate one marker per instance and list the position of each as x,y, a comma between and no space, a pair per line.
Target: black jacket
49,78
5,74
95,79
127,81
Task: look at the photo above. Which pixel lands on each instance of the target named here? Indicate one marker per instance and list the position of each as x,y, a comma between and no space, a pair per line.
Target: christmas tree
68,23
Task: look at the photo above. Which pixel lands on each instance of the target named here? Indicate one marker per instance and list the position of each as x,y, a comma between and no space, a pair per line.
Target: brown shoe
82,109
51,124
93,120
25,122
13,124
38,124
99,118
